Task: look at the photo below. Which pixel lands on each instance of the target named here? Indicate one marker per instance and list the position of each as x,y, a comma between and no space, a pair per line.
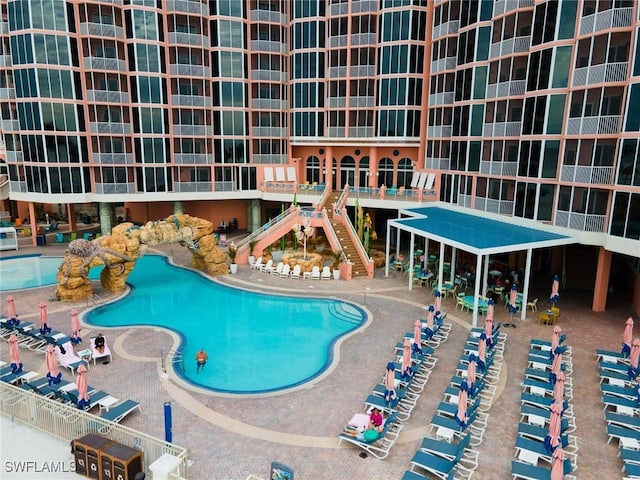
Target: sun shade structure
478,233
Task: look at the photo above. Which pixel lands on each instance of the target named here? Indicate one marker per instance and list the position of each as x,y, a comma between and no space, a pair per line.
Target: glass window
149,90
636,66
480,83
483,43
550,160
21,49
231,64
147,58
561,67
629,167
567,20
151,120
306,8
477,120
556,114
232,94
633,114
229,8
18,15
230,34
145,24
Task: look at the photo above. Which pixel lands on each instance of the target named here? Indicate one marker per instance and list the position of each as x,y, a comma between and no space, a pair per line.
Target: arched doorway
405,172
347,172
313,173
363,173
385,172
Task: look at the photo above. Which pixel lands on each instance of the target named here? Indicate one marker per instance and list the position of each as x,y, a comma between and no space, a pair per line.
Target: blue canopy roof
475,233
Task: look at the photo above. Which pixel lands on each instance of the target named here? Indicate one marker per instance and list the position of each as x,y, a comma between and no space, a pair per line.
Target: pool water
256,343
31,271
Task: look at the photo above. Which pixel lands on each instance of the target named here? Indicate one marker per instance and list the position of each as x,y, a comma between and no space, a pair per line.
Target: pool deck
232,437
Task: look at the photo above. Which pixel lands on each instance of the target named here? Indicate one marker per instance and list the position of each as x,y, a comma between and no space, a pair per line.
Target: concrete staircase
348,247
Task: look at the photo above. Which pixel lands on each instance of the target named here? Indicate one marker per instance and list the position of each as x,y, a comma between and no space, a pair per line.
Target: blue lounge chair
118,412
409,475
618,391
381,446
626,421
529,472
433,464
445,449
616,431
631,469
630,456
538,448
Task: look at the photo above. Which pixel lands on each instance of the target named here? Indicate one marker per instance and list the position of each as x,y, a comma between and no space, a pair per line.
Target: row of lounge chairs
284,270
397,404
621,399
535,448
447,452
29,335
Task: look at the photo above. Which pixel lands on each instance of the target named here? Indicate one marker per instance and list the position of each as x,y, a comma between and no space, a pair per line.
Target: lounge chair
380,447
69,359
530,472
626,421
95,354
527,448
444,449
627,437
267,266
278,270
118,412
296,272
441,467
315,273
52,228
326,273
286,269
257,265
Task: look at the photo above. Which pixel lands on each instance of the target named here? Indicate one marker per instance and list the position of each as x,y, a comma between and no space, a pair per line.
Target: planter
252,259
234,268
336,274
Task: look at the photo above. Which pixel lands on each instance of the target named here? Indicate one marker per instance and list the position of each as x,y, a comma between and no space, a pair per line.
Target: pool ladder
172,355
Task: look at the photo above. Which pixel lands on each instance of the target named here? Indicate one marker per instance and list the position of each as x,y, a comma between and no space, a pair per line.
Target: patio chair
529,448
266,266
286,270
315,273
278,270
69,359
52,228
533,305
444,449
95,354
120,411
59,237
296,272
442,467
257,265
527,471
380,447
326,273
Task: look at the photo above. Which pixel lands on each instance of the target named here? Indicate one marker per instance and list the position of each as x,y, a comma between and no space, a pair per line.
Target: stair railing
323,198
258,232
355,238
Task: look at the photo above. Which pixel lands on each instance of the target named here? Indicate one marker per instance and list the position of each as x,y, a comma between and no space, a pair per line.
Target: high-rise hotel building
526,108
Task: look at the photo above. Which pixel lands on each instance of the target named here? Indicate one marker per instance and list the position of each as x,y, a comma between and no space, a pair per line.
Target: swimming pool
29,271
256,343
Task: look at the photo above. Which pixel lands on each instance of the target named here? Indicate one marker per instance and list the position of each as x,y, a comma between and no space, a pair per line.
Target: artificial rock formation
120,250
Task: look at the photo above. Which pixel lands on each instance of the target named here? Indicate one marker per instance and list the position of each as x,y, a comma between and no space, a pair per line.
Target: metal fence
68,423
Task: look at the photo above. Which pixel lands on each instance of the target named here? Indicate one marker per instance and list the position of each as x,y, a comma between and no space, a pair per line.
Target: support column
106,218
525,289
328,166
373,167
411,247
33,222
387,250
71,215
178,208
485,275
601,288
253,215
476,292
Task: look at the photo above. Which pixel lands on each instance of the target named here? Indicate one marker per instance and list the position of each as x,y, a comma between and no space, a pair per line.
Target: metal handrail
256,233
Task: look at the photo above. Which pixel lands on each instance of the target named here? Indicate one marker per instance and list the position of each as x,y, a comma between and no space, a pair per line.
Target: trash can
87,454
41,240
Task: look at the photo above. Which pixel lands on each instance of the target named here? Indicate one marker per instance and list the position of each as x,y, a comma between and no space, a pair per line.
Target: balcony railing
107,96
362,6
268,16
9,125
192,158
266,158
432,163
337,72
189,70
113,158
502,129
503,6
101,30
336,132
446,28
196,130
4,27
338,41
448,63
110,127
5,60
510,45
191,100
336,102
580,221
441,98
18,186
506,169
612,18
185,38
187,6
268,75
269,131
603,125
268,46
506,89
7,93
13,156
192,186
587,174
362,71
362,102
114,188
439,131
503,207
606,72
102,63
364,39
268,104
338,9
360,132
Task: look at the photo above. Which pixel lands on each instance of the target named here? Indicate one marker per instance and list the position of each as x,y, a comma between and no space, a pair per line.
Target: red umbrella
54,374
75,327
627,336
557,464
14,353
555,338
555,290
390,383
555,419
417,336
406,358
634,358
489,315
438,301
482,352
44,327
83,386
461,416
556,366
11,307
558,388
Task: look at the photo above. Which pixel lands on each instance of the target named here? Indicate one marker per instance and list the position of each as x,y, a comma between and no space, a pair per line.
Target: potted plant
233,251
337,258
252,246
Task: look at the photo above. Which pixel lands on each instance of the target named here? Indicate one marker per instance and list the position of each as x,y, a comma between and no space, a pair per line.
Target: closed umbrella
513,306
471,374
555,340
406,359
557,464
556,367
558,389
482,352
627,336
417,337
430,330
634,358
390,384
54,374
75,327
461,415
83,386
438,302
44,327
14,353
552,439
11,311
488,322
555,291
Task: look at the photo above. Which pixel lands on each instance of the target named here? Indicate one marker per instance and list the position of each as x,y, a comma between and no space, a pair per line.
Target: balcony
502,207
186,6
184,38
110,127
337,72
442,98
192,158
503,6
439,131
5,60
432,163
336,132
446,29
189,70
269,131
339,9
602,125
113,2
362,71
268,16
102,63
268,75
4,27
191,100
448,63
338,41
192,186
506,169
14,157
587,174
113,158
18,187
7,93
107,96
115,188
101,30
270,158
192,130
363,6
362,102
9,125
502,129
360,132
364,39
336,102
268,46
268,104
510,45
606,72
580,221
612,18
506,89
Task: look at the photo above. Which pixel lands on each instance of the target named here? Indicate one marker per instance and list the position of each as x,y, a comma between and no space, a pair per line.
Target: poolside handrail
68,423
256,233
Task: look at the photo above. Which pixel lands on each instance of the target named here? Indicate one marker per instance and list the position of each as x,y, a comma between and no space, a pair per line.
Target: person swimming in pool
201,359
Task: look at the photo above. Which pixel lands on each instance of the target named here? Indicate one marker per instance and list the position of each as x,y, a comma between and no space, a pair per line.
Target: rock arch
126,244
